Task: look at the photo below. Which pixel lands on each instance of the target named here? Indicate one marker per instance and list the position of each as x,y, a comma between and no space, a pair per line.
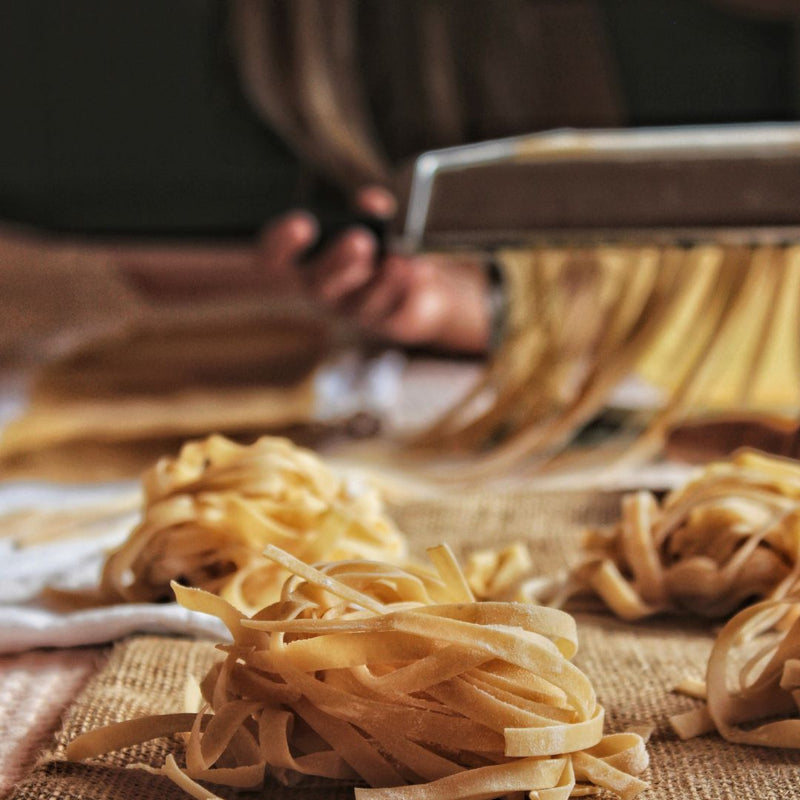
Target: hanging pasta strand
614,363
722,382
606,355
674,315
697,369
712,327
774,382
526,352
537,406
765,284
532,374
615,353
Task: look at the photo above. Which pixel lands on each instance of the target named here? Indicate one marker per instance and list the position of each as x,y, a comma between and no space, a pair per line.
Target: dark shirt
121,117
125,117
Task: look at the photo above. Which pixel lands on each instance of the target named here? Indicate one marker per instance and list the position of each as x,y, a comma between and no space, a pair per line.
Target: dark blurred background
125,117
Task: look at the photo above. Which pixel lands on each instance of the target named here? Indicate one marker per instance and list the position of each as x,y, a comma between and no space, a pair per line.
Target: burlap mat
632,667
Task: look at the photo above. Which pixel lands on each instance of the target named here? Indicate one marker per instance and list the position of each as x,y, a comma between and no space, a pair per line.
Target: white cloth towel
74,563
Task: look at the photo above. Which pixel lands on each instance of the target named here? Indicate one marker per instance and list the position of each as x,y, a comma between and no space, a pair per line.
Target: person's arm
439,302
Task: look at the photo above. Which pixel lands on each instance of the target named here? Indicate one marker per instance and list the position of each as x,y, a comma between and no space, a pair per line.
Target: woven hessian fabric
633,668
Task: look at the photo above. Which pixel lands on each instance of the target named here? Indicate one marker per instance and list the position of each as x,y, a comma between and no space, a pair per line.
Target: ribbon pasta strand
394,678
752,700
728,538
209,513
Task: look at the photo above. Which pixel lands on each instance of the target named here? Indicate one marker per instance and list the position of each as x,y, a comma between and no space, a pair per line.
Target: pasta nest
752,683
727,538
394,678
208,514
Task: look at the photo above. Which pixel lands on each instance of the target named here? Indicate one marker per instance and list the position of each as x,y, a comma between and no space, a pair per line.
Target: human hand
436,301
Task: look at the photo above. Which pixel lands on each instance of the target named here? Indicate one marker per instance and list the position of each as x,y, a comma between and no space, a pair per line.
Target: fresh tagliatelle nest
208,514
726,539
752,685
394,678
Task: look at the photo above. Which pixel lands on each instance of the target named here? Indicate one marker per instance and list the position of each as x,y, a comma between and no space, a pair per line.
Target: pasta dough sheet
110,407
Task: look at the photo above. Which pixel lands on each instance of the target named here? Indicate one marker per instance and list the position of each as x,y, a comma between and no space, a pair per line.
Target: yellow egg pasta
752,686
394,679
729,537
208,514
497,573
